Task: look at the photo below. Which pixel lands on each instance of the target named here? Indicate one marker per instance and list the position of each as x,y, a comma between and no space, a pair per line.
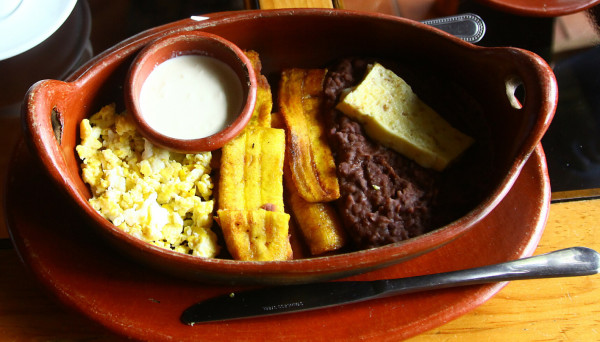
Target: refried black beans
385,197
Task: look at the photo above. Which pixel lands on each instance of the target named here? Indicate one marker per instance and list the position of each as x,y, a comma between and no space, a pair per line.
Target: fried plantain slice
318,221
256,235
252,170
310,159
251,210
261,115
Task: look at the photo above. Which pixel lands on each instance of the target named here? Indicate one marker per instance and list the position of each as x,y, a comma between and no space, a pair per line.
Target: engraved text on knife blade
283,306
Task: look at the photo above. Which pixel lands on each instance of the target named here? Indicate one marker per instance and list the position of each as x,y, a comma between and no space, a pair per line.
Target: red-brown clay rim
190,43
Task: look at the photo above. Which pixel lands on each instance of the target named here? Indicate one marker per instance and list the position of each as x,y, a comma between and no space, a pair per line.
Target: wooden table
535,310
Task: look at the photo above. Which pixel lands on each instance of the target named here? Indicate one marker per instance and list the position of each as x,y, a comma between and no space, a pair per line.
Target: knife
574,261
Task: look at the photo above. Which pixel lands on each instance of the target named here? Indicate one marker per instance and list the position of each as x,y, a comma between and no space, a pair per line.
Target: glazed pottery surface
479,80
191,43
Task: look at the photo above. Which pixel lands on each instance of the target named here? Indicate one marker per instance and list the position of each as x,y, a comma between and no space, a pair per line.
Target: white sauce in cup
191,97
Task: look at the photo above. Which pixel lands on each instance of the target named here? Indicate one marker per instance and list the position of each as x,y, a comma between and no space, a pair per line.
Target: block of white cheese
394,116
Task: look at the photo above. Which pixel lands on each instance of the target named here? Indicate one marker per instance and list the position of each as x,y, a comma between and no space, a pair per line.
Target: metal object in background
468,26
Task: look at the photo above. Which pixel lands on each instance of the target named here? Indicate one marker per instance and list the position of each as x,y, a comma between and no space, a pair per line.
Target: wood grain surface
560,309
271,4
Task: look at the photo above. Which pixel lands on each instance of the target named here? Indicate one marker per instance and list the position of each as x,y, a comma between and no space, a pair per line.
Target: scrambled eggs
158,196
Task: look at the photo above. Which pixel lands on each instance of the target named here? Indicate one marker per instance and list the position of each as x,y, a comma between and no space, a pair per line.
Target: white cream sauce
190,97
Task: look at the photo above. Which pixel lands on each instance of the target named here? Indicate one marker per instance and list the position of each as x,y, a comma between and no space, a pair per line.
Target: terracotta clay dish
551,8
191,43
475,85
86,273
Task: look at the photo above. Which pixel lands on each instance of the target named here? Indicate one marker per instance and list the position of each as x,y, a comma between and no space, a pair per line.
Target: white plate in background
31,23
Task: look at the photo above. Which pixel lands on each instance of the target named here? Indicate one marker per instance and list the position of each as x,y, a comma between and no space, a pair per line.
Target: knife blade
278,300
574,261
